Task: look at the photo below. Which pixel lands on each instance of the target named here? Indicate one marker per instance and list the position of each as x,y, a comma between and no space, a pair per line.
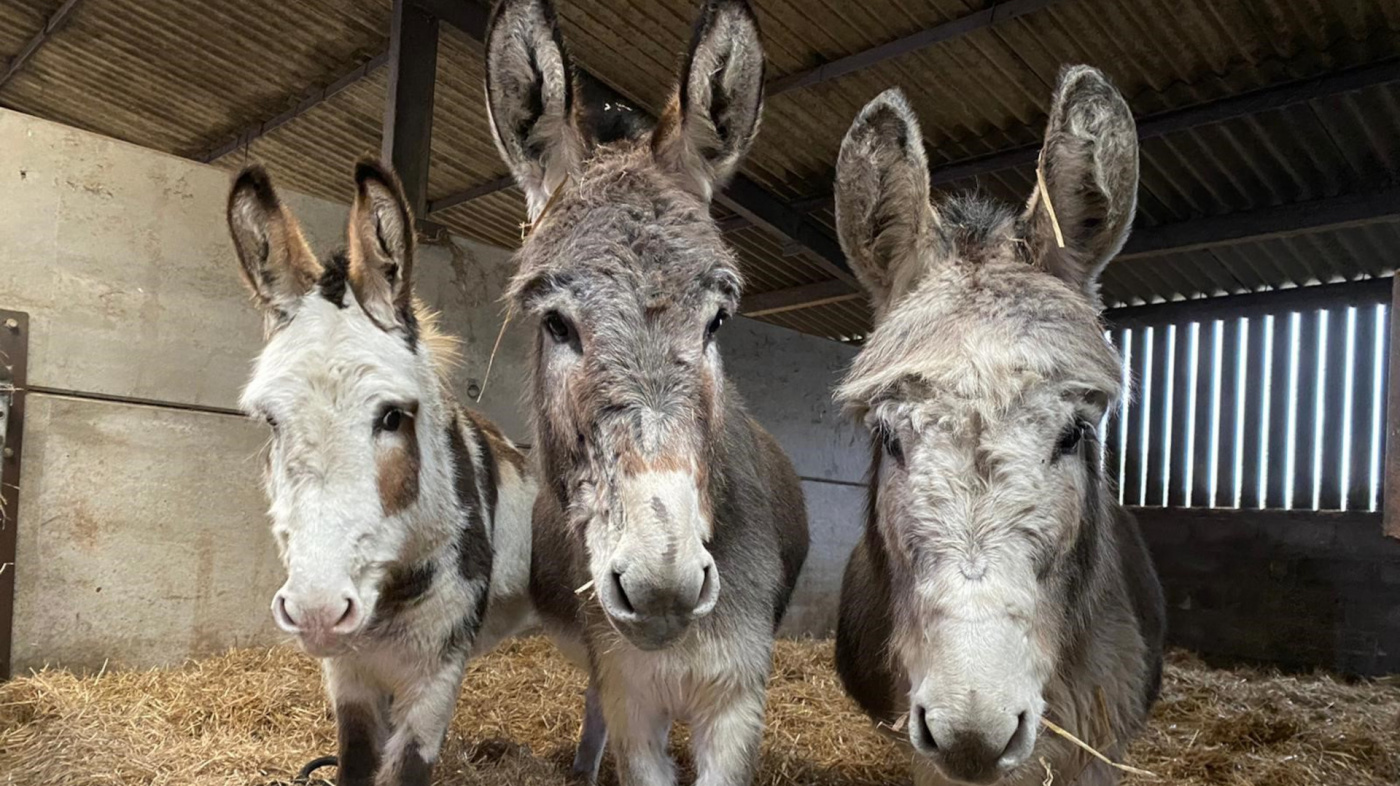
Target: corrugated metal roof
185,76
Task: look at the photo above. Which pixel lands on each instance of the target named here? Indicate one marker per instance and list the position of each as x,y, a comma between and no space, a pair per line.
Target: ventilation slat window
1266,410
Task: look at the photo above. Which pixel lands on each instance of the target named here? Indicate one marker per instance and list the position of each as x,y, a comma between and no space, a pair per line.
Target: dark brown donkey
998,582
670,527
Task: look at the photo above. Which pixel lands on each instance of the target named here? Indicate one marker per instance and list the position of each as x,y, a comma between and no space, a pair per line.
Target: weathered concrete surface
121,257
142,537
837,515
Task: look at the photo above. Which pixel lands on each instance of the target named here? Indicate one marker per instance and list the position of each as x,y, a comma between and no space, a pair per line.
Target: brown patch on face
398,466
634,463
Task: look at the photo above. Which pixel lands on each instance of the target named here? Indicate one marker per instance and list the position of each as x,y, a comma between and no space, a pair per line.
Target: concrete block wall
142,537
1298,589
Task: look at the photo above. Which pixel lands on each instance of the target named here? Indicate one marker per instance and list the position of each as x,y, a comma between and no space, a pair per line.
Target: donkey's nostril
620,594
923,736
350,618
1016,746
709,591
282,615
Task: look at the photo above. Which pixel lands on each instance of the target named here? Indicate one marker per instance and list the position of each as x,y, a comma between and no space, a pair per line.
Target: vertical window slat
1113,436
1256,392
1382,390
1160,388
1362,389
1228,419
1277,457
1184,370
1307,355
1137,427
1205,414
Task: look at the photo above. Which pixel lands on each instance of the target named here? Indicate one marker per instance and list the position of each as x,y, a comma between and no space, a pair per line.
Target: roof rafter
457,14
963,25
55,21
1279,221
308,101
1256,101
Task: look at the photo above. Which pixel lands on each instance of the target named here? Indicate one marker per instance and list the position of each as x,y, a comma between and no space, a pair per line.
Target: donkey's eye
390,421
1071,439
721,317
890,440
559,328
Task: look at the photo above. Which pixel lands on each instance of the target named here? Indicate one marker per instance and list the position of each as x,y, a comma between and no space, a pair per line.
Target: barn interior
1252,303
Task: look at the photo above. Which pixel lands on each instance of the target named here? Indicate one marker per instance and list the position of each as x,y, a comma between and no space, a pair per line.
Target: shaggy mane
444,349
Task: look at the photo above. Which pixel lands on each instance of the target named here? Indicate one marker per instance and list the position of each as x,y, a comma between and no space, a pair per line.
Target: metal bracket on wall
14,358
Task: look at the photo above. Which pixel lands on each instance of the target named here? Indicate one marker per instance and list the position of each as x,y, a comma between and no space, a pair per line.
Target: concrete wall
142,536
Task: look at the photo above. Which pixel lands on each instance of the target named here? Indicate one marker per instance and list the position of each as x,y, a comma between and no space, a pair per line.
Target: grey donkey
670,527
998,581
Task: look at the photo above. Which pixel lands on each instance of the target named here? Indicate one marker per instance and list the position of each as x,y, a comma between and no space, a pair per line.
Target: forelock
623,221
987,333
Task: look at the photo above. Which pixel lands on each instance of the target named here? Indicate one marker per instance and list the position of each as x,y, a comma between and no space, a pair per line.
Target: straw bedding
255,716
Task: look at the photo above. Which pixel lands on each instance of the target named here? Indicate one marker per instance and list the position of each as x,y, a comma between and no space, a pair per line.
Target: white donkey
403,519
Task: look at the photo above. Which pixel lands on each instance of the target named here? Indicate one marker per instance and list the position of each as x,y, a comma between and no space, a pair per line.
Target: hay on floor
255,716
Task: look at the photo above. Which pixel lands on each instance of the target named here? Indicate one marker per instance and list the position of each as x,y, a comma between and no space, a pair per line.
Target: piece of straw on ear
1045,197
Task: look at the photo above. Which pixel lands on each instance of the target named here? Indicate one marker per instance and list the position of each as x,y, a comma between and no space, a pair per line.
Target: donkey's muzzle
322,623
653,610
981,753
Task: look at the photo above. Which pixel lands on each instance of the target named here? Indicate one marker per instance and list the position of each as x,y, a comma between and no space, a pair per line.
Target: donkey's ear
883,214
381,244
530,98
276,261
1090,169
713,118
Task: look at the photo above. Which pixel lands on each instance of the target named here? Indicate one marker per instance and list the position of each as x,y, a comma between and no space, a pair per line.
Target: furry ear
713,118
883,215
381,244
276,262
1090,168
529,98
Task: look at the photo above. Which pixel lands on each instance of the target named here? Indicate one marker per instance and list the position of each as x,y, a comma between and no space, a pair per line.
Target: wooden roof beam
1294,219
55,22
1270,223
463,14
308,101
1361,292
805,296
998,12
469,16
1162,123
408,112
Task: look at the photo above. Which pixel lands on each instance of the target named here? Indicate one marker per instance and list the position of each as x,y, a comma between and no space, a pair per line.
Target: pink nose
320,625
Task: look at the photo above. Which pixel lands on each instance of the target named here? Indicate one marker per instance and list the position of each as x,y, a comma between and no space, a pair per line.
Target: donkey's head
625,279
983,384
346,383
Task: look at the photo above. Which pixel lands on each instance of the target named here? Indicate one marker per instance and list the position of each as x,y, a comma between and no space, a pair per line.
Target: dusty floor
255,716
